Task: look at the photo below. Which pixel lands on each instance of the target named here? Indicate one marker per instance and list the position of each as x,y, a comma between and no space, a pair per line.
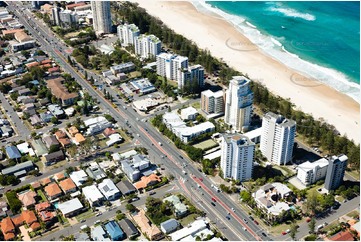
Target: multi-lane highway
238,227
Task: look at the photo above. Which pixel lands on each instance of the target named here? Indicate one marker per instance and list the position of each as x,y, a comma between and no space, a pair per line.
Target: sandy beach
211,32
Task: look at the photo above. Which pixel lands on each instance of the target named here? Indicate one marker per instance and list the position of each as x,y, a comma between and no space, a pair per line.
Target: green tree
54,120
312,225
293,231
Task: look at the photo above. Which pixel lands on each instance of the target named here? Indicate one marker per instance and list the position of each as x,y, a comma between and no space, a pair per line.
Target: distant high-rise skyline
239,102
102,21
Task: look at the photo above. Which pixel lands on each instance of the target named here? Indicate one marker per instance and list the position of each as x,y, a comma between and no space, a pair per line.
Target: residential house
3,209
341,236
28,198
39,147
133,168
180,209
169,226
60,134
35,120
56,110
53,191
109,190
95,172
44,182
81,236
19,169
109,131
126,187
129,228
71,207
67,186
114,231
190,230
114,139
78,138
79,177
149,229
50,141
98,234
54,157
93,195
46,117
59,176
12,152
7,228
45,212
146,181
73,131
29,218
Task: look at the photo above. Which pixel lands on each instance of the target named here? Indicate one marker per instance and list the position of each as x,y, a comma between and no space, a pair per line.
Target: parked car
256,222
283,233
152,193
133,199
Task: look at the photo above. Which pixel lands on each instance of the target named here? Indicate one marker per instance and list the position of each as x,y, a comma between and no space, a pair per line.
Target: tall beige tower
102,21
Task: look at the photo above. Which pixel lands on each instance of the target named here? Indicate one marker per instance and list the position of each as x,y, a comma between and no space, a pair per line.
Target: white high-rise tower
277,139
237,156
102,21
239,100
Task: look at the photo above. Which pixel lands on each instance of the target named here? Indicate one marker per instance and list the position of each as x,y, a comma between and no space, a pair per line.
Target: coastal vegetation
316,132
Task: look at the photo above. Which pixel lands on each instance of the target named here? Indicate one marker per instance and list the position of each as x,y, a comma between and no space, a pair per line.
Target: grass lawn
135,74
285,171
40,165
196,105
124,136
277,230
331,226
41,194
59,164
353,214
315,188
206,145
188,219
339,199
85,215
102,143
355,174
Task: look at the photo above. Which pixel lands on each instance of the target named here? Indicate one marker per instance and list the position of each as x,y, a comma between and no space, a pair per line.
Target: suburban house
53,191
126,187
71,207
109,190
19,169
129,228
180,209
7,228
28,198
53,157
50,141
169,226
146,181
114,231
67,185
152,231
93,195
79,177
44,212
95,172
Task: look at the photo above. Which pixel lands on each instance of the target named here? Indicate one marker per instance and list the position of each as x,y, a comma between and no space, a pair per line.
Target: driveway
24,233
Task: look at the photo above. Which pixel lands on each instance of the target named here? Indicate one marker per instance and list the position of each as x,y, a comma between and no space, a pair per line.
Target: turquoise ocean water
321,39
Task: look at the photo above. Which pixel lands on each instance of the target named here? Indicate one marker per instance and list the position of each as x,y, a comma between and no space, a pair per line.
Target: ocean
319,39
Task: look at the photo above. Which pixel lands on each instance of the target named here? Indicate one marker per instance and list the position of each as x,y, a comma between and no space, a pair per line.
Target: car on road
264,234
244,228
97,222
228,217
180,156
256,222
233,209
251,218
213,199
152,193
133,199
82,221
284,233
98,214
288,230
213,203
201,179
245,220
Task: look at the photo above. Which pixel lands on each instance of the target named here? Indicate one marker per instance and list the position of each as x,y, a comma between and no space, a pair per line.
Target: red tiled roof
342,236
52,189
60,134
67,184
9,236
45,181
109,131
42,206
53,69
29,216
145,180
35,226
7,225
27,198
59,90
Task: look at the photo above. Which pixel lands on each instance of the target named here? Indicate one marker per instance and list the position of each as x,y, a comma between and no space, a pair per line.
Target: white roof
189,111
79,177
188,131
306,166
113,138
108,188
70,206
281,188
193,228
128,154
188,238
216,94
254,133
213,155
23,147
96,120
92,193
278,208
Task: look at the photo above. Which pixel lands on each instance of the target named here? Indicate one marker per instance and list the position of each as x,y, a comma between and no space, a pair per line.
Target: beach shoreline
225,42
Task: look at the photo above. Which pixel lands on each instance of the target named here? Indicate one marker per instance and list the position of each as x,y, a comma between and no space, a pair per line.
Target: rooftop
70,206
